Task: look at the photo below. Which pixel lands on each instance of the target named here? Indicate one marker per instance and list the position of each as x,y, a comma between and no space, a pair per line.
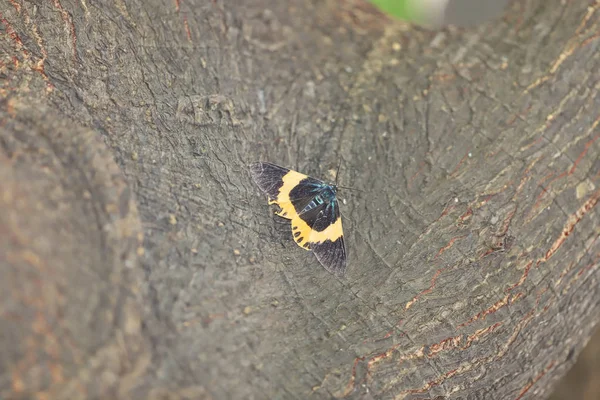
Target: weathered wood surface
139,261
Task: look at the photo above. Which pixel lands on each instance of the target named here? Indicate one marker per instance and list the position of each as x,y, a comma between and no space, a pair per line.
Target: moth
311,206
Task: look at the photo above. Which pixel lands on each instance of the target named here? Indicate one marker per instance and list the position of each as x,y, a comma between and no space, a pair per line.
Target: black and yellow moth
311,206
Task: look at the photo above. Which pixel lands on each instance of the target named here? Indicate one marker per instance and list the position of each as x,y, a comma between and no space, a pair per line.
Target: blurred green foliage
396,8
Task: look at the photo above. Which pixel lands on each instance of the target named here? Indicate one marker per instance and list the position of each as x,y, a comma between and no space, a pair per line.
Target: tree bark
139,261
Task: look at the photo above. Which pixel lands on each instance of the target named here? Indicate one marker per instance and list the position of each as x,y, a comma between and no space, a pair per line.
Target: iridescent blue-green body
325,194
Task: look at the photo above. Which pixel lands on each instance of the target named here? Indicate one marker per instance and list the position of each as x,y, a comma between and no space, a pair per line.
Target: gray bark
139,261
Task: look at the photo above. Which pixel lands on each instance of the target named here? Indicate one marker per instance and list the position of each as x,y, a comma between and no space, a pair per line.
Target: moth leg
282,213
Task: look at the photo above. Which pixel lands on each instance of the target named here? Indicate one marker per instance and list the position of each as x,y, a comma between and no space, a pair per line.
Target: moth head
328,193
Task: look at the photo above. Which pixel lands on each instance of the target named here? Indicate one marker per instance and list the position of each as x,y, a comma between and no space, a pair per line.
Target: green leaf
397,8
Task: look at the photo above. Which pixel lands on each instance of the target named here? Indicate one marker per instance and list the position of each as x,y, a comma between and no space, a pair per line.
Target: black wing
330,253
268,177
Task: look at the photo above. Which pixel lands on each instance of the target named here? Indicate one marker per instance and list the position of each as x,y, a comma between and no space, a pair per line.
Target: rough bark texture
139,261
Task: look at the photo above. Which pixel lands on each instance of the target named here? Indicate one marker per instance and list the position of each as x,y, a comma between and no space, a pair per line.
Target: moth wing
269,177
303,224
289,189
327,240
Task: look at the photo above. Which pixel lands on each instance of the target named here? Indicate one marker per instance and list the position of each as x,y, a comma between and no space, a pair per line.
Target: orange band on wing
306,234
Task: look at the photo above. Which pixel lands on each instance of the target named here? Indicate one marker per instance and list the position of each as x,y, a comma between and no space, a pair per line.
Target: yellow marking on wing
298,225
307,234
282,213
332,232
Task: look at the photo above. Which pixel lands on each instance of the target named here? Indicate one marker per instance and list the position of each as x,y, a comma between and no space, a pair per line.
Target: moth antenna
349,188
337,173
